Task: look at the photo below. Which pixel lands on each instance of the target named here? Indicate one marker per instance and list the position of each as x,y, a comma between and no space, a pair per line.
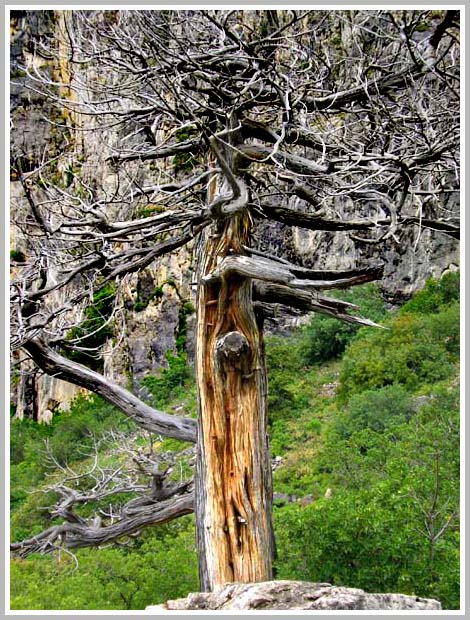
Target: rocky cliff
150,301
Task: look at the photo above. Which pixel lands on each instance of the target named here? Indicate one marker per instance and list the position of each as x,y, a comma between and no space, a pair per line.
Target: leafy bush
416,349
435,295
368,539
294,394
17,256
395,488
70,436
377,410
73,430
165,385
24,434
159,567
387,457
325,338
387,446
27,464
185,310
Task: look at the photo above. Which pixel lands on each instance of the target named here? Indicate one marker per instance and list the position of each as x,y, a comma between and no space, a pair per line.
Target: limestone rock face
145,332
294,595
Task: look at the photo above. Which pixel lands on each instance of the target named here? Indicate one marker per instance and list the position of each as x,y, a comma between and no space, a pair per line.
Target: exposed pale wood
160,153
234,488
315,221
307,301
295,163
280,273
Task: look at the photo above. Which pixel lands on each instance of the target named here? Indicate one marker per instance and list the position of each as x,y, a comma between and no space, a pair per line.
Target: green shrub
435,295
27,463
387,457
377,410
17,256
149,210
70,437
73,430
165,385
143,299
157,568
326,338
416,349
185,310
368,539
390,491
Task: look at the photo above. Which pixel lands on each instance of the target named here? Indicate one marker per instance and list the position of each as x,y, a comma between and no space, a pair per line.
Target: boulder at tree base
293,595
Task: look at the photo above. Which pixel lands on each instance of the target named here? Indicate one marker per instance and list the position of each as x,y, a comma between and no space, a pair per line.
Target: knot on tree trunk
231,349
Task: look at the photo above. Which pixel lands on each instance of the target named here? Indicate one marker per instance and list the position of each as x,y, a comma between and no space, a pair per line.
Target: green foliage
377,410
17,256
435,295
415,349
185,161
295,381
74,430
31,515
27,465
186,133
289,393
387,449
71,170
371,535
379,428
385,486
17,73
150,571
169,381
144,300
326,338
70,437
149,210
185,310
95,329
368,539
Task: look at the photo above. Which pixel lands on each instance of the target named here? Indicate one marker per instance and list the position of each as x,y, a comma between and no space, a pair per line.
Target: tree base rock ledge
293,595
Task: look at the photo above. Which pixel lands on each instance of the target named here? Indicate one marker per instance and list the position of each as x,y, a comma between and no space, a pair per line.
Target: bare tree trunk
234,488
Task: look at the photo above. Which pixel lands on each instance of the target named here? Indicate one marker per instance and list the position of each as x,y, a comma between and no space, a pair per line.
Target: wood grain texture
234,488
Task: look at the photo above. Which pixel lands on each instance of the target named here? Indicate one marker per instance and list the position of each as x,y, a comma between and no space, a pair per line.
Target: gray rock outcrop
294,595
148,325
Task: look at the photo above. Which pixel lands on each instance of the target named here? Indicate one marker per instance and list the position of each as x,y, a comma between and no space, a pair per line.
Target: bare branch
306,301
313,221
275,272
78,535
143,415
286,161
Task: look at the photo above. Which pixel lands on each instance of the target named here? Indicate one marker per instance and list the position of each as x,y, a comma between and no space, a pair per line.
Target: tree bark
80,534
234,487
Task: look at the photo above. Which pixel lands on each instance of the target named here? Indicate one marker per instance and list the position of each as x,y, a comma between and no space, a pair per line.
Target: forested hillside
364,429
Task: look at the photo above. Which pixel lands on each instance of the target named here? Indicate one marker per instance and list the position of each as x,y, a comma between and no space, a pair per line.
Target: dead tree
325,120
153,497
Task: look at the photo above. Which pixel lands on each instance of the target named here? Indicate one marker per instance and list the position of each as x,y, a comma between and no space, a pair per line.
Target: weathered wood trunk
233,488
